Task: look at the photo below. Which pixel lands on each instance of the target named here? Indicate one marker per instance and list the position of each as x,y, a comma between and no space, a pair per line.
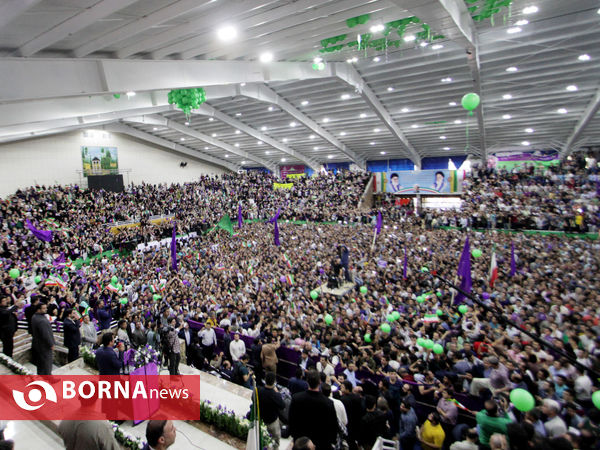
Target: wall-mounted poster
99,160
428,182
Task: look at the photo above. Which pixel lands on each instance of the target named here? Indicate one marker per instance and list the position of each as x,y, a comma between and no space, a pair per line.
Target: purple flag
42,235
276,234
60,261
240,215
513,262
405,271
464,271
379,223
174,248
275,217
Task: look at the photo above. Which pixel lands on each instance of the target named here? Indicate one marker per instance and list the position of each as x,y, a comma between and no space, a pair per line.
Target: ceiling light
437,46
362,115
446,80
458,121
562,111
354,59
530,9
345,96
506,116
376,130
214,135
342,133
182,139
315,148
205,148
210,119
512,69
312,136
507,96
154,129
325,119
526,143
414,126
226,156
424,44
304,102
404,110
187,124
285,139
390,89
238,114
242,84
376,59
293,124
522,22
227,33
266,57
443,138
584,57
130,94
270,108
410,38
382,153
452,104
371,143
259,142
446,148
267,152
377,28
237,131
329,156
572,88
317,59
243,162
263,128
282,159
237,144
514,30
529,130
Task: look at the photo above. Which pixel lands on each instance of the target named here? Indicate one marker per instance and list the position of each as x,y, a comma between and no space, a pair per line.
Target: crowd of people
356,378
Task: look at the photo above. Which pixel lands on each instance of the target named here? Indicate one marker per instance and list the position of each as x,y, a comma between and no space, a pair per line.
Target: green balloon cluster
367,337
117,96
328,319
363,289
314,294
421,342
470,101
463,309
476,253
14,273
428,344
522,399
187,99
318,66
385,327
438,349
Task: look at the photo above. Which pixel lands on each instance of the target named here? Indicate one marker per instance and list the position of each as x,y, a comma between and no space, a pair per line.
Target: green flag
225,224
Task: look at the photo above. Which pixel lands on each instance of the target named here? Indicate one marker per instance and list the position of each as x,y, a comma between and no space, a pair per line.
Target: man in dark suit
188,337
305,362
106,359
72,335
104,316
313,415
8,325
42,343
354,410
270,403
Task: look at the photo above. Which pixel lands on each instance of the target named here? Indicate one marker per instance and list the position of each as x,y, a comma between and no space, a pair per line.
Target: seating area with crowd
402,354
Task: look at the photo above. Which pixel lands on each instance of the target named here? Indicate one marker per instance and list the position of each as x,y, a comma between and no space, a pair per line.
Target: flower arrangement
89,357
14,366
127,440
143,356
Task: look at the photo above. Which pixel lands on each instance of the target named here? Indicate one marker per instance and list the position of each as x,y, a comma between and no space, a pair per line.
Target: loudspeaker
113,183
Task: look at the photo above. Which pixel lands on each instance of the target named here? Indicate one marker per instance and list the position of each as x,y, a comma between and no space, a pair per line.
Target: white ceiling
402,95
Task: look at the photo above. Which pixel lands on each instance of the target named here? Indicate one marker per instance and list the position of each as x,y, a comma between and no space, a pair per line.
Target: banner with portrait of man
441,181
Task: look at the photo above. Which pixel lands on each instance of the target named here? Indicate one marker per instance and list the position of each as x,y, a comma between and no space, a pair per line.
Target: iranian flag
290,279
431,318
154,289
220,268
493,269
55,281
112,288
287,260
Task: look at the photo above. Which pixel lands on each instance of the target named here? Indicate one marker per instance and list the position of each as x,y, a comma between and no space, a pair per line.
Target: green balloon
117,96
428,344
367,337
470,101
476,253
438,349
363,289
315,66
123,301
439,294
439,312
390,317
421,299
328,319
37,279
114,280
522,399
424,269
385,327
463,309
421,342
14,273
119,286
314,294
156,297
596,399
396,315
353,300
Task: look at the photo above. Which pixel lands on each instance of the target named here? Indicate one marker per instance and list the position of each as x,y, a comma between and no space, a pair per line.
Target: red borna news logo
84,397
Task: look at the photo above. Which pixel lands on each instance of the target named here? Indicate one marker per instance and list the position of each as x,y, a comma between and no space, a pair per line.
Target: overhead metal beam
72,25
142,24
126,129
11,9
348,74
48,132
207,110
266,94
38,78
155,119
583,122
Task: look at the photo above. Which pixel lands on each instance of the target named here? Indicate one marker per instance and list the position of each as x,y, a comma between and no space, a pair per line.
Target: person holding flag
493,276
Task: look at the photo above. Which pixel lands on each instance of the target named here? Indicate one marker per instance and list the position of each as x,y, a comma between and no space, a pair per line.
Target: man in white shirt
554,426
208,339
340,409
323,366
237,348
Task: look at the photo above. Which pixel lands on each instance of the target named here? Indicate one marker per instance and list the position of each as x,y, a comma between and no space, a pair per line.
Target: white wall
55,160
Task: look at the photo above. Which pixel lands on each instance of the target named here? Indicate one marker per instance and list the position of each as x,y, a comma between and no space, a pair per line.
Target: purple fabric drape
273,220
379,223
464,271
240,216
43,235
